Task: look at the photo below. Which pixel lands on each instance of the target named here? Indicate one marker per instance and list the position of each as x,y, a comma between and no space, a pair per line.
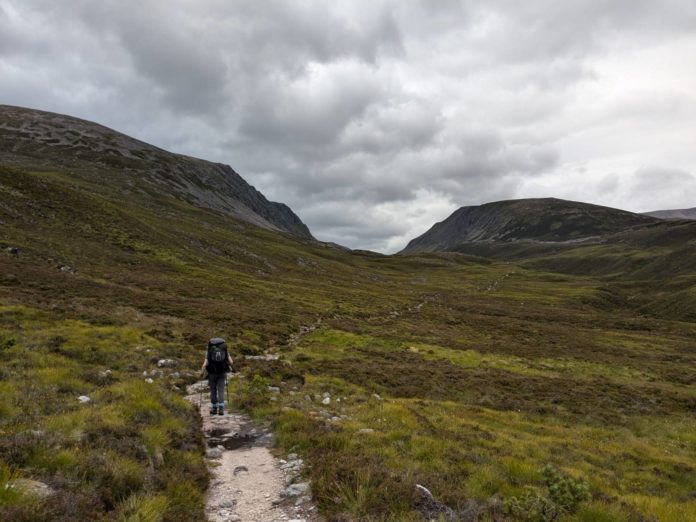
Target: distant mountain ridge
684,213
34,139
542,220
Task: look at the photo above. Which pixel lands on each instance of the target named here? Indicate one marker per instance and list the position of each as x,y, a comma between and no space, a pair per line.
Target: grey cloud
373,122
659,188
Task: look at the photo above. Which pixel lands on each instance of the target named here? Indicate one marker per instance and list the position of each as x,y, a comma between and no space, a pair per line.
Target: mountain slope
684,213
549,220
111,160
466,375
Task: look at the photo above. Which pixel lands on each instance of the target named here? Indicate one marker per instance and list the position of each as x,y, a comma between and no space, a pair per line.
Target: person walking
217,363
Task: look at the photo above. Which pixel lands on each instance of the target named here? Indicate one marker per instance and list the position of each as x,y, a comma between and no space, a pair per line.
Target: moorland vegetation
552,386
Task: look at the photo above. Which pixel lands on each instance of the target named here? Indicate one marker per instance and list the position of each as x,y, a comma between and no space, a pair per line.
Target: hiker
217,363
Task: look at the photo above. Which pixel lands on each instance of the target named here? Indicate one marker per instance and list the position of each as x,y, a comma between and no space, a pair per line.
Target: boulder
432,509
34,487
296,490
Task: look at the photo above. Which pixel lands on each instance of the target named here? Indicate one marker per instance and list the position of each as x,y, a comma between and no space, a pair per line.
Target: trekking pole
200,392
227,390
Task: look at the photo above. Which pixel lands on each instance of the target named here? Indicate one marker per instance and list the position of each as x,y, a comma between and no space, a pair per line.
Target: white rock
83,399
326,400
149,381
366,430
165,363
376,396
33,487
296,490
214,453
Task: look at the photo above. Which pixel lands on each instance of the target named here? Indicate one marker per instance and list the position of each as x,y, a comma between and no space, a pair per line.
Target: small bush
565,491
6,342
250,350
533,506
255,393
562,496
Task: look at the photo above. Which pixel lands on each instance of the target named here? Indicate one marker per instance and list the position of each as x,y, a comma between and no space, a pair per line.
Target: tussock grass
123,453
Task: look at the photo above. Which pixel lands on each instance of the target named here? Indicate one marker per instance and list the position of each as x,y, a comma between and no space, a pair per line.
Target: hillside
130,168
684,213
488,381
547,220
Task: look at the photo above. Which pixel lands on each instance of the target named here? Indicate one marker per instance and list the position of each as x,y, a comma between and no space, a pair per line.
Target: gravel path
248,483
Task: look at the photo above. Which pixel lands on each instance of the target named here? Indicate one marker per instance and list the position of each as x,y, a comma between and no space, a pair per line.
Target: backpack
217,356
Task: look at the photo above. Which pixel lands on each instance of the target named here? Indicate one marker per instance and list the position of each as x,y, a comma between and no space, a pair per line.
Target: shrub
250,350
255,393
533,506
562,496
565,491
6,342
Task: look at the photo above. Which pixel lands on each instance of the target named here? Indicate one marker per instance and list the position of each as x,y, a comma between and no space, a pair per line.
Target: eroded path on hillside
248,483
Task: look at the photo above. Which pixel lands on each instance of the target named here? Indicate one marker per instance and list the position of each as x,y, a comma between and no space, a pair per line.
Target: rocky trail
248,483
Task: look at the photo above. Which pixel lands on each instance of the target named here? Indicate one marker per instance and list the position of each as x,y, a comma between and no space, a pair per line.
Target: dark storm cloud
373,122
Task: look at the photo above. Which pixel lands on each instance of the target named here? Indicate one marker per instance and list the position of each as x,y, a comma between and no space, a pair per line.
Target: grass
122,452
464,374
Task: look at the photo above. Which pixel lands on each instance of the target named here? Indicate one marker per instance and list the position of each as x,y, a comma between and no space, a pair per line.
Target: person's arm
205,362
230,360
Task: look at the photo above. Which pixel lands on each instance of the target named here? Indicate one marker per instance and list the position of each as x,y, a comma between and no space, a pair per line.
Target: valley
470,370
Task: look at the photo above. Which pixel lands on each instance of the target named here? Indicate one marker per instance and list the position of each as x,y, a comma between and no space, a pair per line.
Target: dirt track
247,483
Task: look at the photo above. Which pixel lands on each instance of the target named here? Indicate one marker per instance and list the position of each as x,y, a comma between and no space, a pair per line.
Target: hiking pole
200,392
227,391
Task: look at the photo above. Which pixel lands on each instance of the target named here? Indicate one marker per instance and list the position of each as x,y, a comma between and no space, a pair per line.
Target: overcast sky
375,119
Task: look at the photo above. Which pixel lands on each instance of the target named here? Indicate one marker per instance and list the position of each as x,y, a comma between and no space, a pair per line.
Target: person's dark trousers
217,390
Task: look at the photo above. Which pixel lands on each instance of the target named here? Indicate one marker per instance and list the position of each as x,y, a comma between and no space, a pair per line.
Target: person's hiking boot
221,411
213,410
